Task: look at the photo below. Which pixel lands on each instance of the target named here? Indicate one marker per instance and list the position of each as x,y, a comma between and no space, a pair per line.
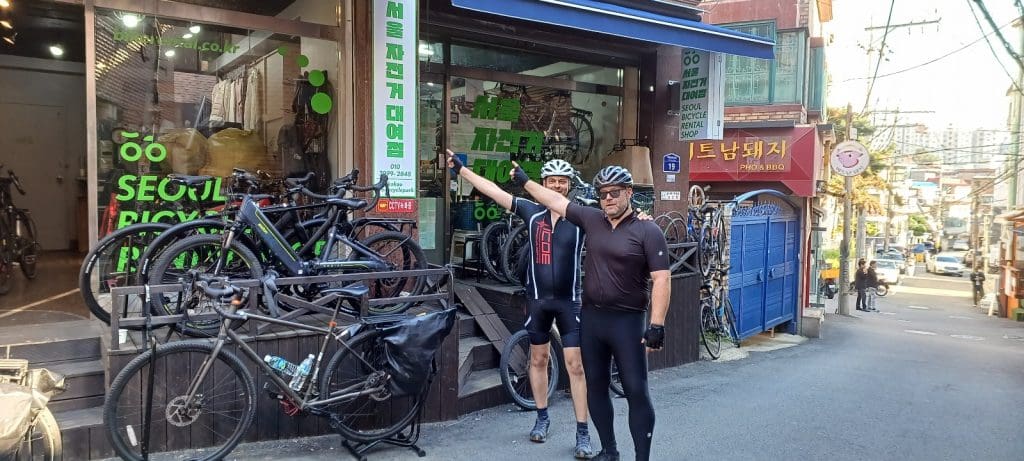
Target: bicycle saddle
352,291
347,203
189,180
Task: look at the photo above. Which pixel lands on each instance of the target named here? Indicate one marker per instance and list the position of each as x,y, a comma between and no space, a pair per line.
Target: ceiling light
9,39
194,28
187,36
129,20
169,53
5,4
6,24
56,51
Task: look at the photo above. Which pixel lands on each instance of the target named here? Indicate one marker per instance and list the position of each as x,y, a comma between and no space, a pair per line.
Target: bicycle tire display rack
407,437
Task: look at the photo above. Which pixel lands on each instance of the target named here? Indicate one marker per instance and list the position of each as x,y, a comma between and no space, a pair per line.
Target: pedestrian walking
627,265
553,290
978,282
860,279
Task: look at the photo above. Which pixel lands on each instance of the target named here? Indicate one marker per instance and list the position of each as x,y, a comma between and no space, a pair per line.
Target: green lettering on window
394,51
485,107
395,10
394,29
396,149
484,138
394,131
396,90
509,109
394,70
394,113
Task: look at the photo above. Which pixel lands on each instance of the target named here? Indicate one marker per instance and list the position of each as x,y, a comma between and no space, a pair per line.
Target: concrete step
83,434
83,378
475,353
482,389
52,342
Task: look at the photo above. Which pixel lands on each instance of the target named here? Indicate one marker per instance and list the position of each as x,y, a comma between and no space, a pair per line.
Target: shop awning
605,18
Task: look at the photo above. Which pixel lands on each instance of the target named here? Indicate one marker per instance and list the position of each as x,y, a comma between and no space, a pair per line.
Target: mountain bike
17,234
492,242
359,389
717,318
225,254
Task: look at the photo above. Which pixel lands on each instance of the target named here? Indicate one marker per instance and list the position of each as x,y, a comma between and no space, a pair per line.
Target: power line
944,56
992,24
881,54
991,48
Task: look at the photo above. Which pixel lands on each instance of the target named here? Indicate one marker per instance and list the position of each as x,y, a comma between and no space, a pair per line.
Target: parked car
946,263
960,245
888,271
901,262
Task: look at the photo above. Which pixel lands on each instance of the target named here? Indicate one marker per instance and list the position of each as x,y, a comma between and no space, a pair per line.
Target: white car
887,271
946,263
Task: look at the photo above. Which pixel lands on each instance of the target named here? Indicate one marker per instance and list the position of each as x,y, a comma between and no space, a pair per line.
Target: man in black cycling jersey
552,287
624,253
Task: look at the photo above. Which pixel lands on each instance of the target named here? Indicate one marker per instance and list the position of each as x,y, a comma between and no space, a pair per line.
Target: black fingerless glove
519,177
655,336
457,165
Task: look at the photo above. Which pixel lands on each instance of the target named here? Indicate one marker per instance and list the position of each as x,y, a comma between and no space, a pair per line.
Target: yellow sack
233,147
186,150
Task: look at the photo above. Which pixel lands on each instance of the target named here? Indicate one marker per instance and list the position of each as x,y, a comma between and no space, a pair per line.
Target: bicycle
717,318
18,242
23,395
492,242
225,255
359,389
568,133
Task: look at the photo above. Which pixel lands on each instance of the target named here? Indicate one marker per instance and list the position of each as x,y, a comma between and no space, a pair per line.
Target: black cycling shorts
542,312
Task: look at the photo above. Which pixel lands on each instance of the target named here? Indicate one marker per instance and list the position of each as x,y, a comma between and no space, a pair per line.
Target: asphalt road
928,378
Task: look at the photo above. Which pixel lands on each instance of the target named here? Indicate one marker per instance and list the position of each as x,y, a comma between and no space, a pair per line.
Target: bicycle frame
303,402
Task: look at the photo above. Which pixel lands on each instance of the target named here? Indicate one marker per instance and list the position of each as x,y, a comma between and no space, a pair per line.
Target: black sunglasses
614,193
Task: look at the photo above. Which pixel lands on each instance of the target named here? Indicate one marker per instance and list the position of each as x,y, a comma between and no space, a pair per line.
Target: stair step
83,434
75,404
52,342
468,326
83,378
482,389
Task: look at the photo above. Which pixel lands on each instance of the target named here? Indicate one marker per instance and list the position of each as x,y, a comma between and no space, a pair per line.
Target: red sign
396,205
791,156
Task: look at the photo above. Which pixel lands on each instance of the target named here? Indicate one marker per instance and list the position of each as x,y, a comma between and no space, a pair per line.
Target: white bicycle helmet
557,167
612,176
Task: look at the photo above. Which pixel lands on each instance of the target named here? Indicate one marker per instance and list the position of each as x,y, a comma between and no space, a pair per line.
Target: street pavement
928,378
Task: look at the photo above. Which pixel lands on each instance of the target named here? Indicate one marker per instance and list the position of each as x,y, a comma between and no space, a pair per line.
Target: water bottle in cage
302,373
280,365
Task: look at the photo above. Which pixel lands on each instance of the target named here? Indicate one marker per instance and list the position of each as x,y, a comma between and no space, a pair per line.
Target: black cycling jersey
619,261
554,271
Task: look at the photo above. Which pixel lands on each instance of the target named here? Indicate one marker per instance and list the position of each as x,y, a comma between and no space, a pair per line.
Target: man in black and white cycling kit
623,254
552,285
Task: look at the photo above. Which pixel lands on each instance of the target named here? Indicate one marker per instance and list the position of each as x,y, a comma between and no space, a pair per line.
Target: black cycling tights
605,334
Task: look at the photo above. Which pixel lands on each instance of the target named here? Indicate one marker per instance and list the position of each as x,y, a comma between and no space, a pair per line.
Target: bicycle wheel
616,381
361,366
112,263
402,253
28,247
219,414
43,442
514,368
172,235
495,234
510,263
883,290
584,138
202,253
730,321
710,329
706,254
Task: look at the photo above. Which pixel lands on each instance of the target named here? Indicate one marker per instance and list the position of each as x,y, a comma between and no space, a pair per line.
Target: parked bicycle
359,389
717,318
30,432
17,234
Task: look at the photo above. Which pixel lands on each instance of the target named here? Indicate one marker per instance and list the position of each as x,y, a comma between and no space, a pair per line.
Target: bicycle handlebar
236,294
298,182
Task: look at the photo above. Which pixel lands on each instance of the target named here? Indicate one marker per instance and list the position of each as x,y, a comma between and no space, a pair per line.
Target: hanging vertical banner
395,95
702,96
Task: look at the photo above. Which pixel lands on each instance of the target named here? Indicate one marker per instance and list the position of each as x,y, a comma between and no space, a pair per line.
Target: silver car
945,263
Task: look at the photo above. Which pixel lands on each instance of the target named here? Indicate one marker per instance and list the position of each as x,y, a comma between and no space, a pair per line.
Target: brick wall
794,112
192,88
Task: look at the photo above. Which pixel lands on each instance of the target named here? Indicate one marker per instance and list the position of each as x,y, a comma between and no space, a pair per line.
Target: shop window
313,11
752,81
520,62
493,123
180,97
431,51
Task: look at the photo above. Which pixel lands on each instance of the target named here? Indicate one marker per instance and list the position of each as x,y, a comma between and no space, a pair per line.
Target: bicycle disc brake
181,413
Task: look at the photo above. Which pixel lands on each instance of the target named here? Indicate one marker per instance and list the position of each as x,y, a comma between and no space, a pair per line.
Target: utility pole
1015,122
844,246
862,247
975,238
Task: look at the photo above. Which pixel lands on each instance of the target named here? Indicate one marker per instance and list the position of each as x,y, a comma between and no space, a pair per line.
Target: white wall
60,85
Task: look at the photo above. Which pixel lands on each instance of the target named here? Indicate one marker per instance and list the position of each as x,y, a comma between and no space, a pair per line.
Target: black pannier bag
410,346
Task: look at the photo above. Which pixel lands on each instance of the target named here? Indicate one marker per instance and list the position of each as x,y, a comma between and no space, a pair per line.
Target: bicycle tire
229,382
5,272
615,383
710,329
172,235
584,142
730,321
412,258
509,252
43,441
705,251
371,417
514,369
99,272
881,291
28,246
491,241
198,249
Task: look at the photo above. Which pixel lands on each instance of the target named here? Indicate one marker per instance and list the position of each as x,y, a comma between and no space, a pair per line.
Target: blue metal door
763,271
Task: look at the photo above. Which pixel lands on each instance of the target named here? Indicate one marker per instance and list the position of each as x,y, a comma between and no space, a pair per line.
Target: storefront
771,240
1010,280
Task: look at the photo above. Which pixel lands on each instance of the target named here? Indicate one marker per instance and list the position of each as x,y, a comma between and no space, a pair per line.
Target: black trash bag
410,346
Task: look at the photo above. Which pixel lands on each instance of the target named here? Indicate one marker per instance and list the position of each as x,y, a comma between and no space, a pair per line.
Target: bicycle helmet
557,167
612,176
